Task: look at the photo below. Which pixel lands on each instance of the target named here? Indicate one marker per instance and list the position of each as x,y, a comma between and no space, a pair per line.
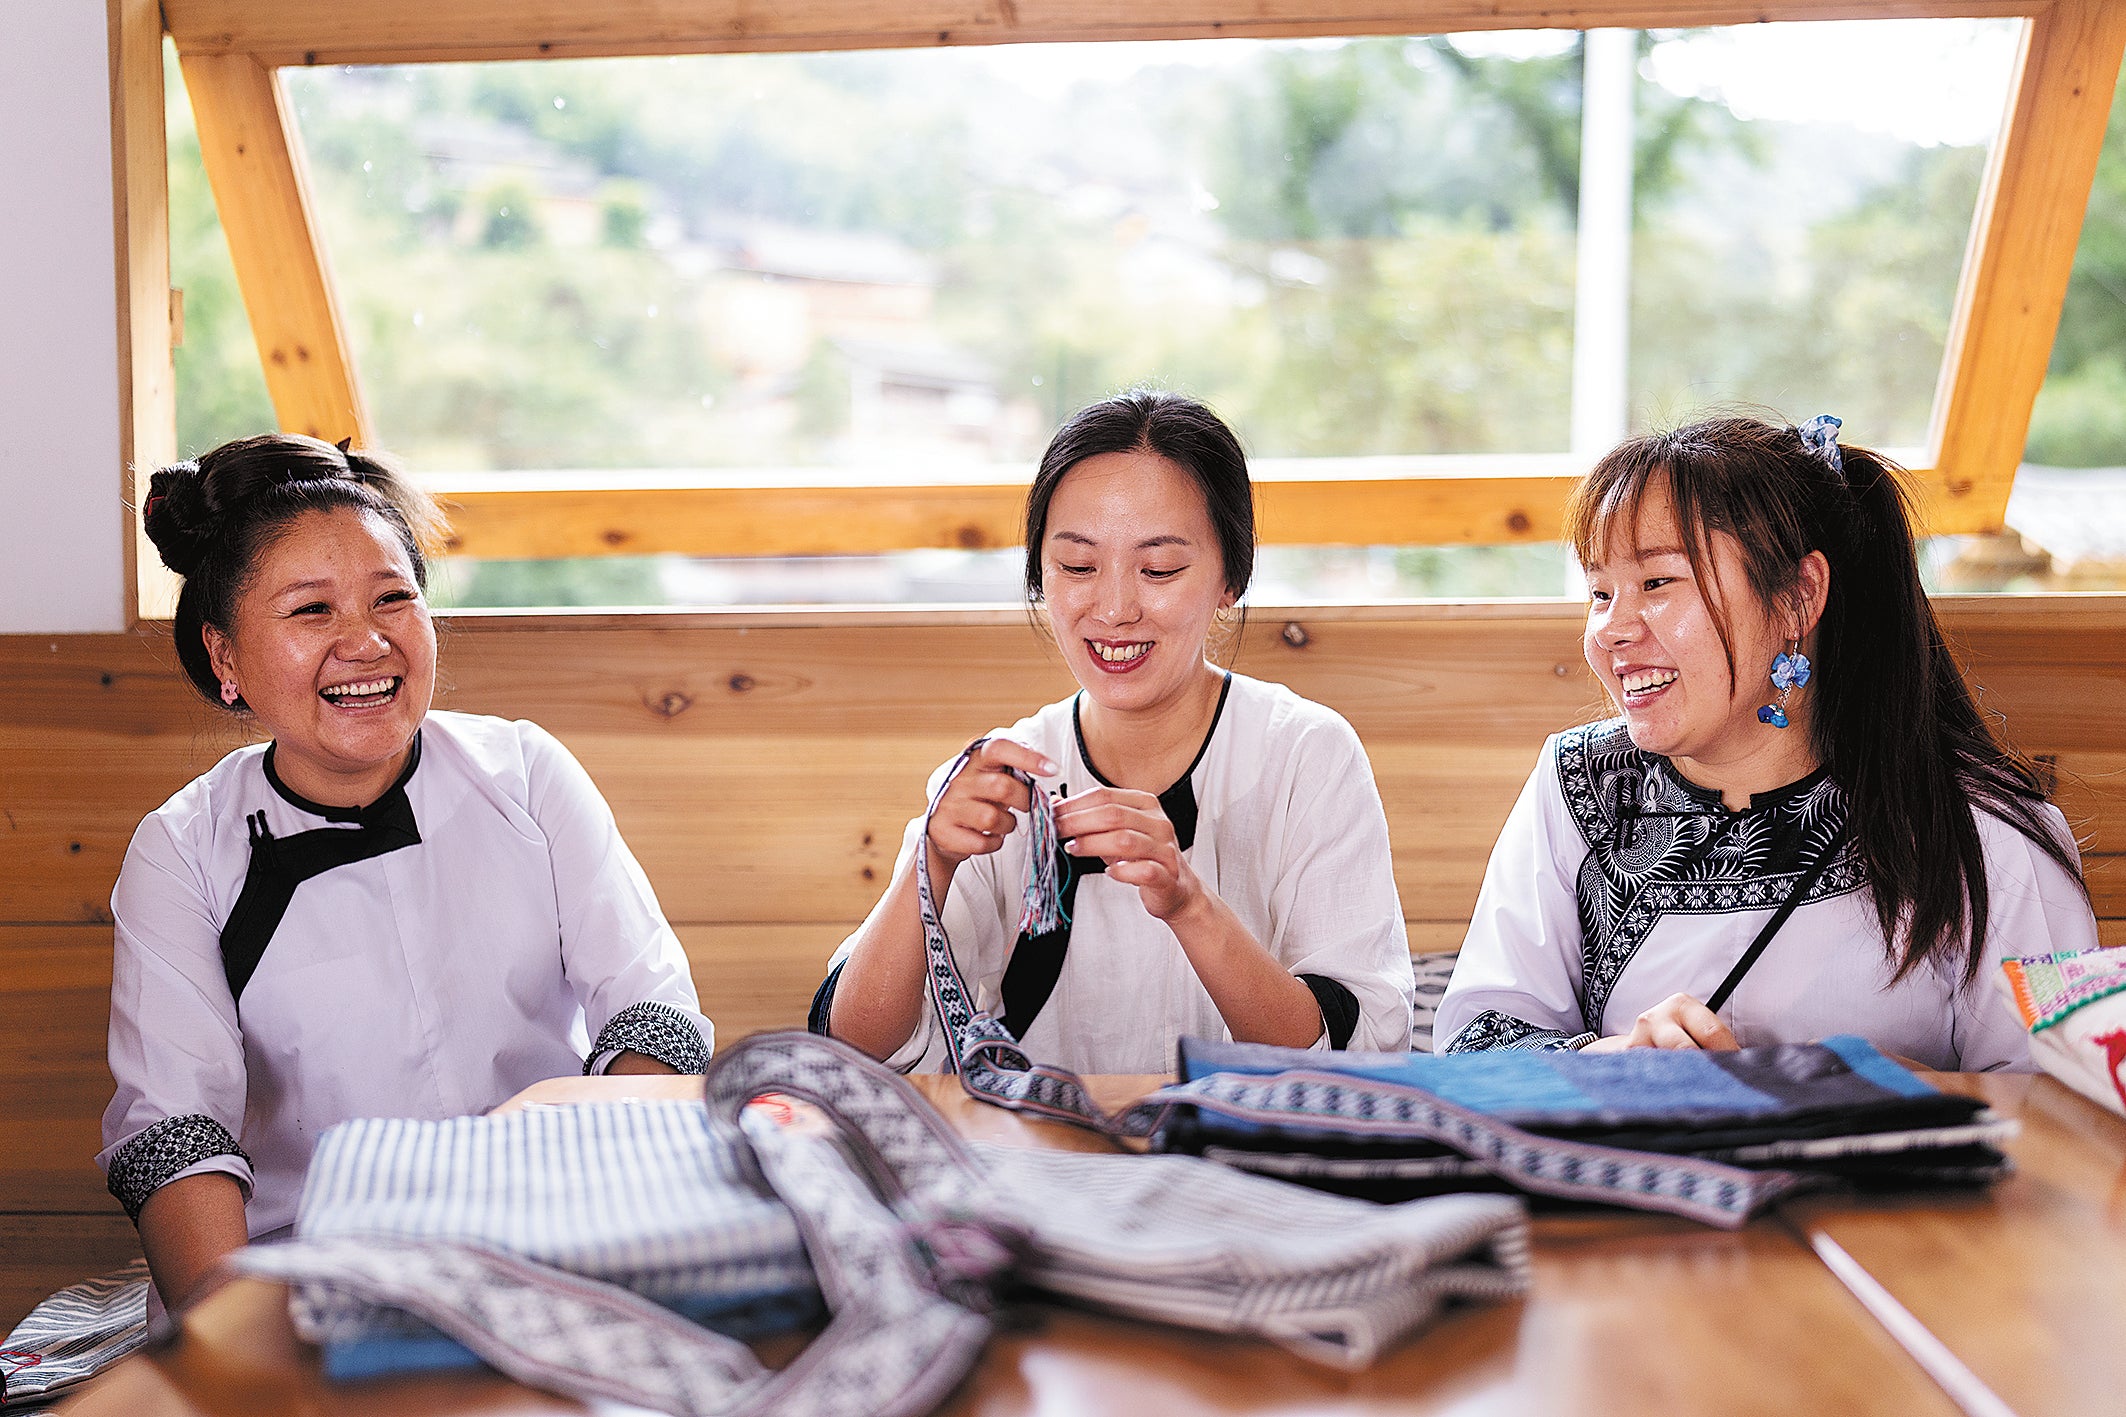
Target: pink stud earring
229,695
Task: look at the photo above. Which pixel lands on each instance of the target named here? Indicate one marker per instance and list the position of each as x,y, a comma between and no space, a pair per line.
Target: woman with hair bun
1221,848
1800,825
384,911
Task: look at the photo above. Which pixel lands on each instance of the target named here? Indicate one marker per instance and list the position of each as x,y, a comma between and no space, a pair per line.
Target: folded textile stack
2075,1008
502,1233
644,1195
1716,1135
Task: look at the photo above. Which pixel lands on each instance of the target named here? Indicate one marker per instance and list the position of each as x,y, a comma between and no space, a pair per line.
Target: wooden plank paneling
2022,252
42,1253
253,158
407,31
55,993
725,742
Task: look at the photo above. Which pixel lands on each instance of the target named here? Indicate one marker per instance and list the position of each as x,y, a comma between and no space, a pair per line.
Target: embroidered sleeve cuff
1492,1029
654,1030
155,1157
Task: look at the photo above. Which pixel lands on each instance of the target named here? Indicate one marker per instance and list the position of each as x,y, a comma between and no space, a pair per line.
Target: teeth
1120,654
359,691
1646,679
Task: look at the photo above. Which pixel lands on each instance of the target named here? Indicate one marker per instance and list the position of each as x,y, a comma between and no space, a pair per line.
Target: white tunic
1593,911
430,981
1290,834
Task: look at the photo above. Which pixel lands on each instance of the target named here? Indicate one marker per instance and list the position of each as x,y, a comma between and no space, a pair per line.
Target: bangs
1602,516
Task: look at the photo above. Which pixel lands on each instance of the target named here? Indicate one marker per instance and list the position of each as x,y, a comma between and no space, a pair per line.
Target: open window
818,284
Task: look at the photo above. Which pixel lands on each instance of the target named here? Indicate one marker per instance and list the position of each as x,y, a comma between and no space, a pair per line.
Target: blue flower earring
1789,672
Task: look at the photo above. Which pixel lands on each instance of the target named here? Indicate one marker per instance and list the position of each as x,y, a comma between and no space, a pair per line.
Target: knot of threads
1042,909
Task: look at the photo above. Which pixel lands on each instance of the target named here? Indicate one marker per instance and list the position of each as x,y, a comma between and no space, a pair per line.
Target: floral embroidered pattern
656,1031
146,1163
1492,1029
1657,846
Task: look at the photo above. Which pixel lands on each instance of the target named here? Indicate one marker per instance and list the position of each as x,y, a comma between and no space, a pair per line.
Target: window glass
2068,512
903,261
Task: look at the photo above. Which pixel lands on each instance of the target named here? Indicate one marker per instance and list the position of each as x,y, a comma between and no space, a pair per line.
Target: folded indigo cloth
907,1233
1648,1127
2075,1008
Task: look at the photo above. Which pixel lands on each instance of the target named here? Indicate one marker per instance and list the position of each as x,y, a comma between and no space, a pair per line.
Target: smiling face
1653,640
1133,576
333,650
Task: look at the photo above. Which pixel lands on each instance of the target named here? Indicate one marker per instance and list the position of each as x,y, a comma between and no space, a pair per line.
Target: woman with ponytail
1800,825
383,911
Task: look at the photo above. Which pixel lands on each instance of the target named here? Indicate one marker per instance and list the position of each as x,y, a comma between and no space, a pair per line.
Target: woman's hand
1129,831
1678,1021
973,814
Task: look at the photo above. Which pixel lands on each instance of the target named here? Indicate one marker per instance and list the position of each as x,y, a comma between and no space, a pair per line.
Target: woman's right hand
1678,1021
973,815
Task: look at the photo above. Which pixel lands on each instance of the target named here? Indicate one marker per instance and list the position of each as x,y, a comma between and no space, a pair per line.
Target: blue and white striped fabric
640,1194
74,1335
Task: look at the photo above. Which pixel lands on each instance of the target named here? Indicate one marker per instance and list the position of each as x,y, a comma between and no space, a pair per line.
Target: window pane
901,261
2068,510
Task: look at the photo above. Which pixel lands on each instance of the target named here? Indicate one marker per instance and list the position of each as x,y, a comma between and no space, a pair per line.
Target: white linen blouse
515,939
1601,900
1289,833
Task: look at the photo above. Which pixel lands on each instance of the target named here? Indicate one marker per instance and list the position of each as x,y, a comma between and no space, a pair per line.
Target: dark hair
1172,426
210,519
1891,718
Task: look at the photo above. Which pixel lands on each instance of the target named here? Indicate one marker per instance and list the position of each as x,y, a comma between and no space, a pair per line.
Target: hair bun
177,517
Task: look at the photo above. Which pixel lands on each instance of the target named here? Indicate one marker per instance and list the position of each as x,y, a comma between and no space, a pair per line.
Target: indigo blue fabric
1840,1107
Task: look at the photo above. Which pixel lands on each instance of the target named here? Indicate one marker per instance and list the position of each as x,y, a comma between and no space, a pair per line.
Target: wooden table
1628,1314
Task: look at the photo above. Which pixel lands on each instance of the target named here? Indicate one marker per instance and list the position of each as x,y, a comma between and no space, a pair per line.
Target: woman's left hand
1130,832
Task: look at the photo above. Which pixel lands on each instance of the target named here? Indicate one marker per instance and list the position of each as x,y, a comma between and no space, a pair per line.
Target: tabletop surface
1627,1314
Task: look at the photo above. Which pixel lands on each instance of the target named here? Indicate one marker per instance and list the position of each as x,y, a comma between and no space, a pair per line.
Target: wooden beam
254,163
535,516
147,393
2021,254
415,31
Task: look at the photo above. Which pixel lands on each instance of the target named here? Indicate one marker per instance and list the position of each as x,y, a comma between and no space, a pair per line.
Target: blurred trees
1350,247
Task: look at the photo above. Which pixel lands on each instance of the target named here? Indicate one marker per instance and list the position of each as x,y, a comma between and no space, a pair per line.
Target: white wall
62,528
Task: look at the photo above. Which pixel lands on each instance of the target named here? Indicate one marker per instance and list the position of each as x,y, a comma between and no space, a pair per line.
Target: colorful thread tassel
1042,910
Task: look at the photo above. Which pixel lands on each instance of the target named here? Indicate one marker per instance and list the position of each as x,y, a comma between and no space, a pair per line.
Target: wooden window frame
2007,309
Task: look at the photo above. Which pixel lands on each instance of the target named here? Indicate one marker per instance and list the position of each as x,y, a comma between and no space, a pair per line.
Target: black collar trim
341,814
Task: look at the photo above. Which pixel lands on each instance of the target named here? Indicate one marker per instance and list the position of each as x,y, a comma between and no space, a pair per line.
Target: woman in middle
1226,869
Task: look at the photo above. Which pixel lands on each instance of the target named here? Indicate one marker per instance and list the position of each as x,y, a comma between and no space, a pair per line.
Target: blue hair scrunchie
1820,436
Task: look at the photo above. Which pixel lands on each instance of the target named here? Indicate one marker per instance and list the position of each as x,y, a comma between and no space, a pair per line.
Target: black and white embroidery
1492,1029
654,1030
1659,846
146,1163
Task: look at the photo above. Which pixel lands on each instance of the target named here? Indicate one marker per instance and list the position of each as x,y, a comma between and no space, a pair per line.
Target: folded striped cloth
72,1336
567,1247
2075,1008
1716,1135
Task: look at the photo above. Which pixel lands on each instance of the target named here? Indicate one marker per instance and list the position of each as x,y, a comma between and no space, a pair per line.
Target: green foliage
1349,248
605,580
2080,419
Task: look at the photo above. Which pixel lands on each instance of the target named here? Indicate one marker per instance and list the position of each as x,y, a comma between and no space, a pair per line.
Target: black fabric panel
823,1003
280,864
1339,1008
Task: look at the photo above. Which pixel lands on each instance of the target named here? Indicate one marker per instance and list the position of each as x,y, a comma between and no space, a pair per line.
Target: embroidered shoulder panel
656,1031
1492,1029
145,1164
1652,852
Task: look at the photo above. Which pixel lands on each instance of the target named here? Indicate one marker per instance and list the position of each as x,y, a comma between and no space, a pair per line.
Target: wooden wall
763,766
